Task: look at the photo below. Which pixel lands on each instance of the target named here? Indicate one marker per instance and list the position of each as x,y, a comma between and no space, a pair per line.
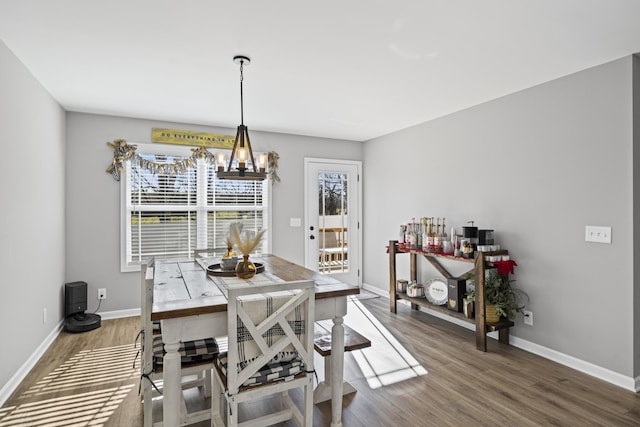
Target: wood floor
420,371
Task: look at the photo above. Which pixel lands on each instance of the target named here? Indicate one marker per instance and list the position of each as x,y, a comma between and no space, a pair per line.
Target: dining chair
270,351
197,359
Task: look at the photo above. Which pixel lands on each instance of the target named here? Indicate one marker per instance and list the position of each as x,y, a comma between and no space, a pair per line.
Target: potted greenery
507,300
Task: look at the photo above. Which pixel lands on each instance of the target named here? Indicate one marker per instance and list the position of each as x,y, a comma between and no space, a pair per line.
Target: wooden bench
322,344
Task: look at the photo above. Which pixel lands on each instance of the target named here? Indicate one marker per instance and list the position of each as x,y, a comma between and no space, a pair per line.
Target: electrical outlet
528,317
596,234
102,293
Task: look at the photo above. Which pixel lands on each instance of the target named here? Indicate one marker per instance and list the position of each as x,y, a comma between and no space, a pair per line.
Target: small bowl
229,264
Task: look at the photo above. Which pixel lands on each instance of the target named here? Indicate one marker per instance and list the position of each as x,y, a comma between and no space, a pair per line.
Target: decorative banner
123,152
189,137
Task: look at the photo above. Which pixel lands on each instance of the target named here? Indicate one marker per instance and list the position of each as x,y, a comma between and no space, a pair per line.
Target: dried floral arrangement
229,244
245,241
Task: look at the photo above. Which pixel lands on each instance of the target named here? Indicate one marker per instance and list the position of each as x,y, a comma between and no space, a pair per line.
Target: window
170,211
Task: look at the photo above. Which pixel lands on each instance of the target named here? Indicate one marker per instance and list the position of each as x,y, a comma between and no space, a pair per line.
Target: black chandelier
246,168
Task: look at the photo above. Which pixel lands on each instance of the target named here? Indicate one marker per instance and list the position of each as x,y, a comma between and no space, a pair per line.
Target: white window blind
170,215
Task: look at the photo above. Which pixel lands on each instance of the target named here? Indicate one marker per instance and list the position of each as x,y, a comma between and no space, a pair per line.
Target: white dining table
190,305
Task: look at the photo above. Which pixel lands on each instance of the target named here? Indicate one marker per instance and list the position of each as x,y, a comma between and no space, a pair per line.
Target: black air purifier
75,305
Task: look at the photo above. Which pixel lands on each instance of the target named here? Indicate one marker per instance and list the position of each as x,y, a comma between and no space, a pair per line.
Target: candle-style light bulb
221,161
242,158
262,161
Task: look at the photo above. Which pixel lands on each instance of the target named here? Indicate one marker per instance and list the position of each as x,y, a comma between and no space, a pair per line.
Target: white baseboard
588,368
118,314
626,382
22,372
20,375
375,290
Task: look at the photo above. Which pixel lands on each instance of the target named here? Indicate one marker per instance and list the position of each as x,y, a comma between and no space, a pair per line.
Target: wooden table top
183,288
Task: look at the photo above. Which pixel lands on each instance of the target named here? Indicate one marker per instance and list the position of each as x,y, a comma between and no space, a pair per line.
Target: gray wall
536,166
636,212
32,236
93,197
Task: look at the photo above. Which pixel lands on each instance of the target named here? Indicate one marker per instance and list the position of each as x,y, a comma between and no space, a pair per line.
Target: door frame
358,237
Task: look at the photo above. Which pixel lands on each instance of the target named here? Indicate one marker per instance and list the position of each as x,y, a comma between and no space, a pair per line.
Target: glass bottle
431,235
425,234
437,242
447,244
444,231
413,238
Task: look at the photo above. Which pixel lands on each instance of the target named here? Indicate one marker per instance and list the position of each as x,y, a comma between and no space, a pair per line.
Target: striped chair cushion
269,372
191,351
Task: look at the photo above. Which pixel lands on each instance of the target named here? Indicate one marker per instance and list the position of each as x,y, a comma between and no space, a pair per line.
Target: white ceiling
350,69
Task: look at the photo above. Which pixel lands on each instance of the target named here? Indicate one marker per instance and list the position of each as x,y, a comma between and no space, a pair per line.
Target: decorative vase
245,268
468,308
229,260
490,314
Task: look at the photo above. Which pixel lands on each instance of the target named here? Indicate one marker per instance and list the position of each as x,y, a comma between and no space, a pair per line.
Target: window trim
177,151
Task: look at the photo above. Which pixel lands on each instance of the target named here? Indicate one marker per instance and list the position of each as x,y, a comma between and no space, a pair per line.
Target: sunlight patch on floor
76,406
386,361
88,368
80,409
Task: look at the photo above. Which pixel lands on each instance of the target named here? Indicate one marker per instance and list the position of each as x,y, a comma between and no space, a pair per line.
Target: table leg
322,392
171,385
337,370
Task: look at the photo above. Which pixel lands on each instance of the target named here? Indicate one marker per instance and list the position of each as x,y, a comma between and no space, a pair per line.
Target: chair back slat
146,305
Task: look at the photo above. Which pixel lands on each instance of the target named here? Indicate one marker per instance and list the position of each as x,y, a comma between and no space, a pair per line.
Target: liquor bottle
425,234
430,235
437,243
444,231
413,237
447,244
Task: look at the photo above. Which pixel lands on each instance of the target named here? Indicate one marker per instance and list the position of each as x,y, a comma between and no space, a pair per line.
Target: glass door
332,219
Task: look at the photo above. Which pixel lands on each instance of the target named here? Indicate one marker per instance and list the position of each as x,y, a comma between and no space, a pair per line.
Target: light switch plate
597,234
295,222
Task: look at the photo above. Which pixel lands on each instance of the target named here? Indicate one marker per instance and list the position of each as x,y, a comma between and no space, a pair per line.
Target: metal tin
485,237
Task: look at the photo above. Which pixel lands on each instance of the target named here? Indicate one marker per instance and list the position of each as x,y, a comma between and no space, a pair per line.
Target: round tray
216,270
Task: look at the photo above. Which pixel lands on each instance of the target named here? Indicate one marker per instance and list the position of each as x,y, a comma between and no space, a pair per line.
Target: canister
485,237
